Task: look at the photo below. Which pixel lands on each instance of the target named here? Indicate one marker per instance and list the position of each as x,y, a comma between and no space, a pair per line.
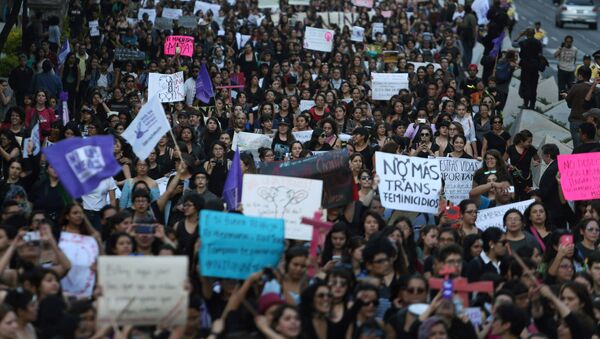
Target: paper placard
409,183
129,54
285,198
493,217
142,290
305,105
82,251
299,2
94,30
458,177
386,14
386,85
188,21
580,175
425,64
242,39
273,4
163,24
172,13
358,34
376,28
205,7
302,136
363,3
151,14
318,39
251,142
168,87
234,246
185,44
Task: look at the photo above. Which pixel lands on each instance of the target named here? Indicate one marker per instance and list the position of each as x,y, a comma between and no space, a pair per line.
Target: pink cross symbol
319,228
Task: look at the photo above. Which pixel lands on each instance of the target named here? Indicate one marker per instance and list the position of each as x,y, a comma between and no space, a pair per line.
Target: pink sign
580,176
363,3
386,14
185,44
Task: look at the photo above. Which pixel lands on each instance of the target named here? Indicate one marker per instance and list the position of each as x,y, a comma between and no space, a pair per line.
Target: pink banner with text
185,44
580,175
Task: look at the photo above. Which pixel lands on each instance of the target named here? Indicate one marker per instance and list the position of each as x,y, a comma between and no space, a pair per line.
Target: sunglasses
323,295
425,134
489,172
365,178
371,302
415,290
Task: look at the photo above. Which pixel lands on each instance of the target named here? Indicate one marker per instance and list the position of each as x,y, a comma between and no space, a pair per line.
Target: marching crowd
375,267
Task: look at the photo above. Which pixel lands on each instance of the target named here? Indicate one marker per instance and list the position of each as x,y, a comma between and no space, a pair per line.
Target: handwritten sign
168,87
94,30
302,136
493,217
163,24
273,4
331,167
235,246
580,175
151,14
305,105
299,2
142,290
188,21
386,14
386,85
409,183
281,197
318,39
82,251
363,3
172,13
376,28
185,44
458,177
129,54
205,7
358,34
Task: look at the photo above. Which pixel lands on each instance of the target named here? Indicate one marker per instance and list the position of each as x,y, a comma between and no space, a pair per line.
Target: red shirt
46,118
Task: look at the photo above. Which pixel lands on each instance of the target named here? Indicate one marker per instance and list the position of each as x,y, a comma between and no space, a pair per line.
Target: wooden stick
175,142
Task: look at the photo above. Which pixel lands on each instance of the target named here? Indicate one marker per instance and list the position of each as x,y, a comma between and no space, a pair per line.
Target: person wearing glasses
488,261
315,307
590,231
365,324
468,210
424,147
318,141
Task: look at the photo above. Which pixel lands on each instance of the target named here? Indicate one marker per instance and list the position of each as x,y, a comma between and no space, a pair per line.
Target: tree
12,19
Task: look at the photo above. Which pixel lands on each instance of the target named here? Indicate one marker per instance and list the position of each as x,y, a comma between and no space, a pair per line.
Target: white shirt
95,200
468,126
487,260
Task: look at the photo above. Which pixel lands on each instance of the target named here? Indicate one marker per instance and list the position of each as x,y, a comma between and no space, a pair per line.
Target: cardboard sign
94,30
163,24
142,290
188,21
172,13
234,246
185,44
302,136
493,217
376,28
331,167
318,39
129,54
82,251
285,198
386,85
458,177
363,3
168,87
580,175
358,34
409,183
151,14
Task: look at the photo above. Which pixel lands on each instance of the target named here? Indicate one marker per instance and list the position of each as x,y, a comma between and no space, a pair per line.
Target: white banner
493,217
273,4
358,34
386,85
205,7
150,11
299,2
376,28
302,136
458,177
94,28
172,13
318,39
285,198
142,290
82,251
305,105
147,128
409,183
35,139
168,87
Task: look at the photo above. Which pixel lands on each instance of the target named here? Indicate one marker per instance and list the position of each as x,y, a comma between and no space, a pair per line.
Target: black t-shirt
497,142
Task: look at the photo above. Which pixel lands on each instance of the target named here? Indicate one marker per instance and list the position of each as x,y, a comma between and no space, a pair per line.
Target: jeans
574,129
565,81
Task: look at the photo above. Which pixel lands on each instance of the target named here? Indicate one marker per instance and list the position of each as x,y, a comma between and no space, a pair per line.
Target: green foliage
13,42
7,64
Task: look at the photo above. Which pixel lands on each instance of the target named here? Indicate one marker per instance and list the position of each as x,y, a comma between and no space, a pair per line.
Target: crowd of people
372,275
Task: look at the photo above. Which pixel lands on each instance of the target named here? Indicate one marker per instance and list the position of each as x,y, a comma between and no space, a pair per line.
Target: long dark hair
339,227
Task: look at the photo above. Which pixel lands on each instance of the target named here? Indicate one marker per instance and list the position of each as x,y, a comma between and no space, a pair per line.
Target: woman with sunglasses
589,230
497,138
364,310
341,282
315,309
367,187
318,141
411,289
424,147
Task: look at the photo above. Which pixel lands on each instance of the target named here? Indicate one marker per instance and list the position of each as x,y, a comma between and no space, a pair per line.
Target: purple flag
81,164
204,88
497,45
232,191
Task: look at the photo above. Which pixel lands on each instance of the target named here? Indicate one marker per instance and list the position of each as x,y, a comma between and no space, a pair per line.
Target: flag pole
175,142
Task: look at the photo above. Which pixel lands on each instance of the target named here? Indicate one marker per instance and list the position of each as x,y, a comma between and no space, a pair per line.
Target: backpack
503,72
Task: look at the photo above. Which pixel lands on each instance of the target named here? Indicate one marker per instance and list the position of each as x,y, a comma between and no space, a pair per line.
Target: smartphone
336,258
566,239
32,236
422,121
268,274
144,229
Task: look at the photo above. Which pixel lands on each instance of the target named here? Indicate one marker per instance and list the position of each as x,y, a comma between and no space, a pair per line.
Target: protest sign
285,198
151,14
373,50
94,30
172,13
163,24
188,21
241,39
302,136
234,246
580,175
82,251
363,3
273,4
376,28
305,105
142,290
168,87
129,54
391,56
409,183
205,7
425,64
147,128
185,44
331,167
458,177
493,217
250,142
299,2
318,39
35,139
358,34
386,14
386,85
